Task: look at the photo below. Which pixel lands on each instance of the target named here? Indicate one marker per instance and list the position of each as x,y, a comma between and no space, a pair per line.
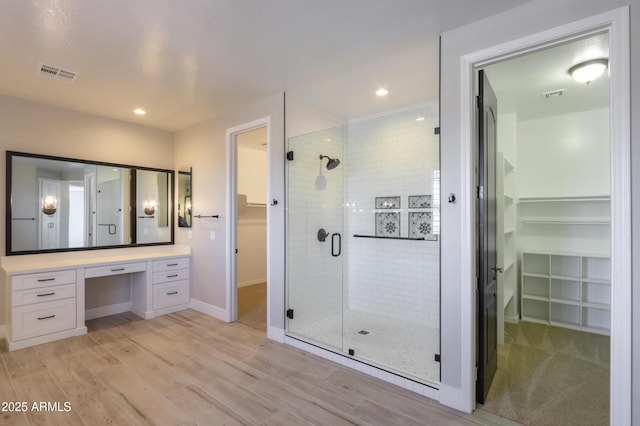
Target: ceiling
186,61
519,83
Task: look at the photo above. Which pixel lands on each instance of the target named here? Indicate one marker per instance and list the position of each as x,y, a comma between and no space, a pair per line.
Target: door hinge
480,192
437,357
436,131
290,313
290,155
352,352
478,101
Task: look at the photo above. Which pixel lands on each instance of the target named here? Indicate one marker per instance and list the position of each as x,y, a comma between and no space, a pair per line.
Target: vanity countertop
30,263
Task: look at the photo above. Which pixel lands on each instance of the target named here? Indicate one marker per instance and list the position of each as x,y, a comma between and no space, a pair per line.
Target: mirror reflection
58,204
184,199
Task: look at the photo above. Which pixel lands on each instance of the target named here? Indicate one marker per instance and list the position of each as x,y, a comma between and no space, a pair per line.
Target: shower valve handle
322,235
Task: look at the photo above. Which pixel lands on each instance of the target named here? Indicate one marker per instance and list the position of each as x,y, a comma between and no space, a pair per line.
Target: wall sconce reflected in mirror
49,205
149,207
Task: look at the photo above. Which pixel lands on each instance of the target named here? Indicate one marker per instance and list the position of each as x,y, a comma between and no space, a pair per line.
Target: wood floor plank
140,397
303,405
9,417
42,388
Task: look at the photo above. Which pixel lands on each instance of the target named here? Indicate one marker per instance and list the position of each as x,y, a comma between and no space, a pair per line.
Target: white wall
564,155
41,129
204,148
252,220
393,155
530,18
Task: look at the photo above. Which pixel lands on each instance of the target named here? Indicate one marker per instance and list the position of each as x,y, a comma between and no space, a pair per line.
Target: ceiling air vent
57,73
553,93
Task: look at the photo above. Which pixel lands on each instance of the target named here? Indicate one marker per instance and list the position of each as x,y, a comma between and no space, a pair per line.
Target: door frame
616,24
231,213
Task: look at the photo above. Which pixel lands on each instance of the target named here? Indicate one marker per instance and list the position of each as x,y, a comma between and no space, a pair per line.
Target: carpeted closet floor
551,376
252,306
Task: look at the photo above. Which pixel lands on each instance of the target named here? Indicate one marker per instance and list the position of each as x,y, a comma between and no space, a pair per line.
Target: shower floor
397,346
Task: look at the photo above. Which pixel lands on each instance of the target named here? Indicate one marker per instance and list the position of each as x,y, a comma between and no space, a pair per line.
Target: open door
487,357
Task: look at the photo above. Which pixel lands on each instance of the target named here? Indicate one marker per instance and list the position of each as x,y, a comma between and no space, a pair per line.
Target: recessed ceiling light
139,111
420,119
382,92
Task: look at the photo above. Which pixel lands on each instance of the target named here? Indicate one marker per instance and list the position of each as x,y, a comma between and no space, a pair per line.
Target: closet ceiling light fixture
139,111
586,72
382,92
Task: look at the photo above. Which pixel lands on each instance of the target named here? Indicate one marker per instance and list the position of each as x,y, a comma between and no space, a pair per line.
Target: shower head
332,163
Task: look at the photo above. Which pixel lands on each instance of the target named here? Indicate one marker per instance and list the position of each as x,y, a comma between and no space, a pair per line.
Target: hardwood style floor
188,368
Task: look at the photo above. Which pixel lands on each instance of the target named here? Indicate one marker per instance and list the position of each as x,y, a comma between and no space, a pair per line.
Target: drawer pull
46,279
47,317
117,269
172,276
47,294
172,264
172,293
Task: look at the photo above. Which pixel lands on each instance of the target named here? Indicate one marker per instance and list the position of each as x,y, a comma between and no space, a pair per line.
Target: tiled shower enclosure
363,240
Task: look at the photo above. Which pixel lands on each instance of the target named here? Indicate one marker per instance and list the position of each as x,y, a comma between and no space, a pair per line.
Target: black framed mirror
65,204
185,198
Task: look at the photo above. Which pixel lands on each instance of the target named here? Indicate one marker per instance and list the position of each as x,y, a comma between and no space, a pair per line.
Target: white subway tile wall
393,155
314,201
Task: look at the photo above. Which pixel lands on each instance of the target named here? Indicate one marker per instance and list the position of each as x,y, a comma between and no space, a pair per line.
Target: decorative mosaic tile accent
388,202
421,226
420,202
388,224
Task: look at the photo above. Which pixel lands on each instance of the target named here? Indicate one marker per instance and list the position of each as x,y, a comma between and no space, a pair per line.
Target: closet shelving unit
567,290
506,242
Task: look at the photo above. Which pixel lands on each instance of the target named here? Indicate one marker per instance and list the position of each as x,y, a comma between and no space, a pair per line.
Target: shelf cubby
567,290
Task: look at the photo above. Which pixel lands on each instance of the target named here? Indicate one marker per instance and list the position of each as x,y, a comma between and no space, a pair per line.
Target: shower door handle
333,244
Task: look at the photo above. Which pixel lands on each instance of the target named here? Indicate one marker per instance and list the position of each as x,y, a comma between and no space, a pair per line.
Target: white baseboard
211,310
103,311
275,333
252,282
455,398
512,320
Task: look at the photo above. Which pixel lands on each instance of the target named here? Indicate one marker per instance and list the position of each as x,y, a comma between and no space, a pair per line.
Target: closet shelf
508,295
565,221
563,199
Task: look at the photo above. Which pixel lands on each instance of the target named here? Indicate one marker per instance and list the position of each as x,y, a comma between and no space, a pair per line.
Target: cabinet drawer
170,264
115,269
43,318
39,295
43,279
163,277
170,294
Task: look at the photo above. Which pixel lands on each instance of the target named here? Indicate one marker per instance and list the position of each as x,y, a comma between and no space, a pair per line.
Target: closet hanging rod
199,216
23,218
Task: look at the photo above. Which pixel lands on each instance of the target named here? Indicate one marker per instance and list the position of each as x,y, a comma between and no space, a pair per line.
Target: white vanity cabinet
41,304
45,293
170,284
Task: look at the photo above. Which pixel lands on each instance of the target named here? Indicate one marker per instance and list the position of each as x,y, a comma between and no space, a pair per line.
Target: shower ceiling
187,61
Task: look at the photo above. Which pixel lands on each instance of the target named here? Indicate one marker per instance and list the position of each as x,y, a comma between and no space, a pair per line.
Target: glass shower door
315,260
